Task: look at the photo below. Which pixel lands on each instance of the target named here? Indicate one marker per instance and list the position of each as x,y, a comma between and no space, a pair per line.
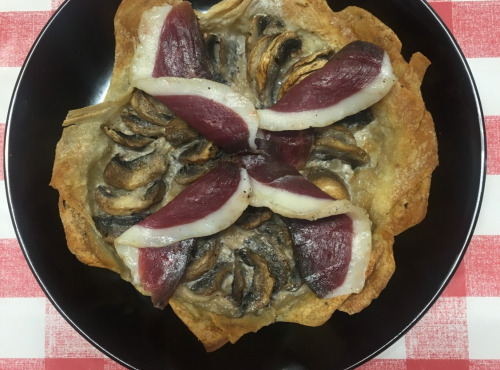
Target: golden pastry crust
394,190
77,151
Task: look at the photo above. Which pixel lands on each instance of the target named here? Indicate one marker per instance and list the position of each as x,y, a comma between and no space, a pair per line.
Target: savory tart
249,164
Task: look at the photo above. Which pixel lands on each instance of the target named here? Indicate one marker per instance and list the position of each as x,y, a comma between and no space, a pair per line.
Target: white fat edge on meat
278,121
130,257
206,89
360,254
140,237
361,245
361,242
149,32
284,202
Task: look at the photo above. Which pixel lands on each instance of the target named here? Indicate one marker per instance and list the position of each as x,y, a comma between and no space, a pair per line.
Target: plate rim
479,125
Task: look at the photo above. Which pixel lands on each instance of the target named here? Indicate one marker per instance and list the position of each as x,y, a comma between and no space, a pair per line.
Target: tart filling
242,166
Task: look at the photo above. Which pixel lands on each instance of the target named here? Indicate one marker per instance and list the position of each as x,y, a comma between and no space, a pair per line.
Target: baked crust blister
394,189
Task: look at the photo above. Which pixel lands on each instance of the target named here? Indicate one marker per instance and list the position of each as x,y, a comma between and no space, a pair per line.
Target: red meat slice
322,250
181,50
161,270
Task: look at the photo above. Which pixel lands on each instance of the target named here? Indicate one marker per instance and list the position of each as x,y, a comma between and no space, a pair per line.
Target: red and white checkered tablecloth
461,330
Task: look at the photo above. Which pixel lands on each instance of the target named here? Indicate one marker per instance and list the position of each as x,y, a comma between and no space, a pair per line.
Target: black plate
69,67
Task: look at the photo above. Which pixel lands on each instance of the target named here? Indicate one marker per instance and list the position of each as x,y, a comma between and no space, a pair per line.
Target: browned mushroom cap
271,243
211,281
213,45
200,152
132,141
255,52
150,109
188,174
328,181
253,217
111,227
223,56
204,257
265,59
178,132
260,292
239,284
337,142
150,117
302,68
279,50
140,126
134,173
258,24
125,203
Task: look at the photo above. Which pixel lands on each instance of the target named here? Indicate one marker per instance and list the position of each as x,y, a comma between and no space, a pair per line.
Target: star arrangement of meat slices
238,209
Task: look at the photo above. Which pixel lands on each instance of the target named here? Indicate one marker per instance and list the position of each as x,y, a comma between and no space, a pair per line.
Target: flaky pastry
114,167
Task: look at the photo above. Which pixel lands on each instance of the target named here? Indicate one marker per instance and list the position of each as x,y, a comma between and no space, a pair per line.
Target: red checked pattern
16,279
460,331
492,124
2,134
18,32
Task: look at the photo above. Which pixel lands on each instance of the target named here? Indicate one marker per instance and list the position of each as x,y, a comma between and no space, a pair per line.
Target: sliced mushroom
260,292
223,56
254,54
279,233
212,281
132,141
213,44
134,173
239,285
294,280
178,132
188,174
302,68
335,131
277,52
200,152
287,275
150,117
336,141
125,203
258,25
205,255
150,109
270,243
254,217
328,181
142,127
111,227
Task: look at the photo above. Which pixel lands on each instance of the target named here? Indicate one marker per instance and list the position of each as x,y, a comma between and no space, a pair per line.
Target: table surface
461,330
